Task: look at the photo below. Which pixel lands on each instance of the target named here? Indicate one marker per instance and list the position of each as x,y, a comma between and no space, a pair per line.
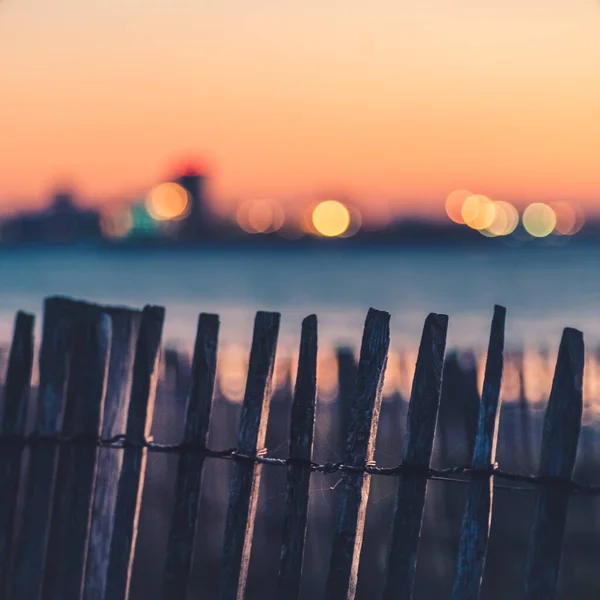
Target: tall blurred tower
192,177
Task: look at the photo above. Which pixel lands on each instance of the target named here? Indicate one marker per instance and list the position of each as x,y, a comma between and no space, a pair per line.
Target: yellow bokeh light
168,201
539,220
454,204
478,212
331,218
506,219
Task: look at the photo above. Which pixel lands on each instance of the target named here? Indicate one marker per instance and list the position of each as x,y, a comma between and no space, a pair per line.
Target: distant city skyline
393,106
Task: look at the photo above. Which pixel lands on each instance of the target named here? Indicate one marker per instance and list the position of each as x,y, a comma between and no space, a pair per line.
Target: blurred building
63,223
197,223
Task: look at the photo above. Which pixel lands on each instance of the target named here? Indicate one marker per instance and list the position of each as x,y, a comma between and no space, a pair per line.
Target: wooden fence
69,513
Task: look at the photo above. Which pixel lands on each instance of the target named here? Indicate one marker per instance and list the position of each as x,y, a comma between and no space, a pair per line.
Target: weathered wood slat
420,432
360,447
60,316
76,469
125,328
478,512
131,481
191,464
562,424
245,483
301,447
14,415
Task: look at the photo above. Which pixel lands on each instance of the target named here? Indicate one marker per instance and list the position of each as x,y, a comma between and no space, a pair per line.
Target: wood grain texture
60,318
76,469
125,329
360,447
245,482
562,425
131,481
14,415
420,432
298,477
188,488
478,512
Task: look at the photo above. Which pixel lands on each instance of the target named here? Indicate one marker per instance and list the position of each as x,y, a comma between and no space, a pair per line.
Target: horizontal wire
449,475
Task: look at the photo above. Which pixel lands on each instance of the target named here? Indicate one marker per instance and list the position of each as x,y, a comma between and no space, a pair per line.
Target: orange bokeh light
260,216
570,219
454,204
168,201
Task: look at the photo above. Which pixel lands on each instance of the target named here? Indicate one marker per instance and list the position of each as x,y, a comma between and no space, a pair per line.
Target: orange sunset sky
395,103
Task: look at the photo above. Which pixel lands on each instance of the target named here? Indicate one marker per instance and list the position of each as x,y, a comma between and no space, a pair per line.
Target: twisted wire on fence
450,474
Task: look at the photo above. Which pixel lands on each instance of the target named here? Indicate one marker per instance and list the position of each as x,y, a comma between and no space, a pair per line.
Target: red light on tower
188,167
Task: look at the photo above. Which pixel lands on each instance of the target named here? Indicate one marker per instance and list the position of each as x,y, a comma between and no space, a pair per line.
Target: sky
392,103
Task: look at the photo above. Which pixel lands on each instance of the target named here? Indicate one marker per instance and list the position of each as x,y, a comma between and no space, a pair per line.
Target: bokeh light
539,220
116,224
356,222
454,204
331,218
506,219
306,220
168,201
260,216
233,366
478,212
570,219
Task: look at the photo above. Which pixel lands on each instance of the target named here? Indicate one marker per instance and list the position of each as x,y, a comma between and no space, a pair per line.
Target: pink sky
395,103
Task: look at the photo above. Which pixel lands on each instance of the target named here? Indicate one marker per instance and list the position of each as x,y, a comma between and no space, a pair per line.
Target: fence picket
14,415
125,329
76,468
245,482
420,432
131,481
30,556
360,448
191,464
478,512
298,481
98,377
562,424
